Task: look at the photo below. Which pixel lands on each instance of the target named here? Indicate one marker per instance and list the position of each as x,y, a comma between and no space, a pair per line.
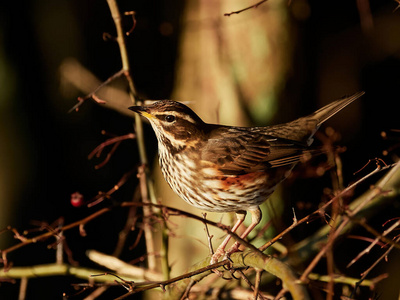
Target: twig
96,293
100,197
187,290
116,141
257,285
147,211
366,272
371,230
255,288
279,236
346,220
244,9
337,183
323,207
60,244
54,269
93,94
26,241
129,226
281,293
147,286
344,280
209,237
22,288
133,14
123,268
51,233
368,249
308,247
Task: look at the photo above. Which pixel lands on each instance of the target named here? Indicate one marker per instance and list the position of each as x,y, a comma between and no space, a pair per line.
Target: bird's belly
208,189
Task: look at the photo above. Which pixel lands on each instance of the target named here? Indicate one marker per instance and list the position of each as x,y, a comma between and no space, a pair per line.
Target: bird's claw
226,254
218,253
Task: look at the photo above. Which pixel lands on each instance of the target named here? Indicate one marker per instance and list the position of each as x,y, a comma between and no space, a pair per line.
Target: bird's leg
240,215
255,219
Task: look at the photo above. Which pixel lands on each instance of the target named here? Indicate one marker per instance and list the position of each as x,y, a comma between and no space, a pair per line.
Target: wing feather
240,152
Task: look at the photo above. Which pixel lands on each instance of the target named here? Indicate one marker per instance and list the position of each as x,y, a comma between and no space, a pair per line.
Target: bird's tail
303,129
314,121
332,108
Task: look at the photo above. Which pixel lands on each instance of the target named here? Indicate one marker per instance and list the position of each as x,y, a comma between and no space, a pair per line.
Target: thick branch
48,270
244,260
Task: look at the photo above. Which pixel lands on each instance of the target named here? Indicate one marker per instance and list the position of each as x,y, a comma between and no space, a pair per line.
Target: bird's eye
169,118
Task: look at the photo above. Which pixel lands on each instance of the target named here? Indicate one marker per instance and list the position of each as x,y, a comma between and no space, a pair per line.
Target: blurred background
267,65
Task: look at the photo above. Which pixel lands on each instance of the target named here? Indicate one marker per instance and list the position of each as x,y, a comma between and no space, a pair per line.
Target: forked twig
377,239
366,272
323,207
346,220
116,141
93,94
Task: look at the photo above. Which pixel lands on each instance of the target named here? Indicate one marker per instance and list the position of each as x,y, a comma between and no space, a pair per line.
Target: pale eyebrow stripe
177,114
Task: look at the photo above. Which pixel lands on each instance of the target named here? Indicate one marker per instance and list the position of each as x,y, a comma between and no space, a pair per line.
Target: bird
223,168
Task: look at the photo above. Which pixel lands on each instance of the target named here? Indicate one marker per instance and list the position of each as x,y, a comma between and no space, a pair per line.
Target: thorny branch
323,207
375,192
174,211
375,242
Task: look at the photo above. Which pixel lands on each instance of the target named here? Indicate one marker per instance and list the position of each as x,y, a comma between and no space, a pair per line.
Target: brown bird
226,168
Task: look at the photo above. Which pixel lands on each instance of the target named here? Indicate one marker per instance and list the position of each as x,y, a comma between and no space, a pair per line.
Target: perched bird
226,168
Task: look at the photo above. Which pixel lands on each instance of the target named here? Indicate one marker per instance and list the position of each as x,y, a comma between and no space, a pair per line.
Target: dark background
45,148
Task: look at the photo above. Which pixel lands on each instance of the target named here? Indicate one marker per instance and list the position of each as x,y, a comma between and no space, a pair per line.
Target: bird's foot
233,249
217,254
226,254
214,259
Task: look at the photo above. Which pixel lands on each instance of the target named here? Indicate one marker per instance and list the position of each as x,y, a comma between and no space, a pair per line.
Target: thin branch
22,288
376,233
130,225
369,248
342,280
244,9
209,237
375,192
148,212
223,227
133,14
55,269
116,141
366,272
123,268
46,235
92,95
100,197
335,198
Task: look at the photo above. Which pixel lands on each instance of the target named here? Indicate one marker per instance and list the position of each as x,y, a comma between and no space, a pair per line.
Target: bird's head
175,124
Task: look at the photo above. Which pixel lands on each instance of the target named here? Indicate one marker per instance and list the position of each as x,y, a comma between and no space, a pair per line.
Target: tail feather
303,129
326,112
331,109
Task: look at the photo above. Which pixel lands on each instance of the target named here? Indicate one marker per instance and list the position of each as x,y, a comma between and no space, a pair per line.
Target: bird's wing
237,150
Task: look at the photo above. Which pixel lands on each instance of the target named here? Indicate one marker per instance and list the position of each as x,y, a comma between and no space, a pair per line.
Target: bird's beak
142,111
